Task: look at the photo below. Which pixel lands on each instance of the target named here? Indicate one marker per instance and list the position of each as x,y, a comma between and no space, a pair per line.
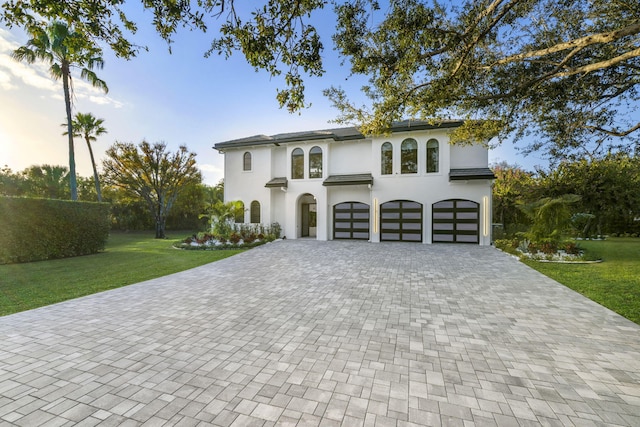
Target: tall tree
152,174
64,49
513,187
88,127
565,70
568,71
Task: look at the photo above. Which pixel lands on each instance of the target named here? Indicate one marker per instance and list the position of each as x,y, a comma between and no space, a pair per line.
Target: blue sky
178,98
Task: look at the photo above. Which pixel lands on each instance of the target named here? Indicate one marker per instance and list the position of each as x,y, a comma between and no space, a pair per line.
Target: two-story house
339,184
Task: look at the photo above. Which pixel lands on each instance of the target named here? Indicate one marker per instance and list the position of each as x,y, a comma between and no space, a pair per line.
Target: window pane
443,205
255,212
315,162
297,164
443,226
246,161
386,159
467,215
432,156
443,215
412,237
443,238
467,204
409,156
468,227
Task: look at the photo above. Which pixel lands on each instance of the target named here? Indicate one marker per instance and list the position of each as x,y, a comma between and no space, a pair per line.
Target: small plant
548,248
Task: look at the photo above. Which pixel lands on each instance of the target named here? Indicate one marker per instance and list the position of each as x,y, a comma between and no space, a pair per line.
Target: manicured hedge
39,229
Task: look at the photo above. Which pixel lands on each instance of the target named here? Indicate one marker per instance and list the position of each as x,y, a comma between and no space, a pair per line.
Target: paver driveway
326,333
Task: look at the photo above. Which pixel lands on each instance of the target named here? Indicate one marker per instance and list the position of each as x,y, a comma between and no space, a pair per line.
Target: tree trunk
73,186
161,221
95,172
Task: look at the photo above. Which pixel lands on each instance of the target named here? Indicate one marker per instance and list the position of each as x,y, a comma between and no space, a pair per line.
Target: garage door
456,221
401,220
351,221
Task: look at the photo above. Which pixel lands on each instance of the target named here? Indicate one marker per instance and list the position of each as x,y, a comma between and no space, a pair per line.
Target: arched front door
308,216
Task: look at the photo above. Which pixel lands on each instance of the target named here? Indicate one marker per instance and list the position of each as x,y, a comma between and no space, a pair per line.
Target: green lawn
128,258
614,283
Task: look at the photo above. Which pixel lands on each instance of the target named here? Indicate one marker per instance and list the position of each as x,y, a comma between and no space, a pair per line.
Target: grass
128,258
614,283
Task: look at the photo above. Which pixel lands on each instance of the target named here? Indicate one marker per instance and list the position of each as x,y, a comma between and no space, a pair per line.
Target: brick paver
307,333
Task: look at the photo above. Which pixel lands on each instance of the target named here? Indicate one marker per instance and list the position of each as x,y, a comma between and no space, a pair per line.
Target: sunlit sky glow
178,98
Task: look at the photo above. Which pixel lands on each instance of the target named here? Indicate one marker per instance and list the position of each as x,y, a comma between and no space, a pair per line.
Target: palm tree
47,181
88,127
64,49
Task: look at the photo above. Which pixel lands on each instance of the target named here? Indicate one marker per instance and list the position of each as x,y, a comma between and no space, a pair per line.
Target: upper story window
433,156
315,162
297,164
255,212
386,159
246,161
409,156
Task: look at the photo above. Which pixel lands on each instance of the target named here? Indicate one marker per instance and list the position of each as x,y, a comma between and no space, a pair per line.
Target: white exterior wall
469,156
247,186
353,157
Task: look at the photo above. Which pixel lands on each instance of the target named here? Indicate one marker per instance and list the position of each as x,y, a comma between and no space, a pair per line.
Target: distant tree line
129,210
606,193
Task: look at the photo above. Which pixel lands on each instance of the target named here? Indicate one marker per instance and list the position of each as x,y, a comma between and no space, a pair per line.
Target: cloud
5,81
210,168
15,75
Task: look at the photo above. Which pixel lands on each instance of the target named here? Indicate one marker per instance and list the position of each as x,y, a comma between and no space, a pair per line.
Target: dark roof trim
277,183
338,134
470,174
355,179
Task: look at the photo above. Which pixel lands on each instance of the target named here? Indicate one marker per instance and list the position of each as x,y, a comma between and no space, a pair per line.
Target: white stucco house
339,184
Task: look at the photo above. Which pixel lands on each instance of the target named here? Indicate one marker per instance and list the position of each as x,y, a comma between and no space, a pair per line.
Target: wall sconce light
485,214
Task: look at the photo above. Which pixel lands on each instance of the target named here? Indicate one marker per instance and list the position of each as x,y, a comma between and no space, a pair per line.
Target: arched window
297,164
433,154
255,212
386,159
315,162
409,156
246,161
239,218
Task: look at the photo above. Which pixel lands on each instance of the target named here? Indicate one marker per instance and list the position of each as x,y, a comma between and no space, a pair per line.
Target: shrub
39,229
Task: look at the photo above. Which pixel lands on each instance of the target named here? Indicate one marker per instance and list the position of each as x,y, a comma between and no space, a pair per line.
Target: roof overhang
469,174
338,134
277,183
353,179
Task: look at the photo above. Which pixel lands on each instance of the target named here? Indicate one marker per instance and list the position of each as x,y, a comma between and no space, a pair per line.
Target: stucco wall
351,157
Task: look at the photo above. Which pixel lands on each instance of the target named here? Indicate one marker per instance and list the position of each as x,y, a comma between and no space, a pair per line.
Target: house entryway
308,216
456,221
351,221
401,221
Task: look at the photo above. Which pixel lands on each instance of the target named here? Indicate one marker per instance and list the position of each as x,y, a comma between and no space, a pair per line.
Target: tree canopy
151,173
563,73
